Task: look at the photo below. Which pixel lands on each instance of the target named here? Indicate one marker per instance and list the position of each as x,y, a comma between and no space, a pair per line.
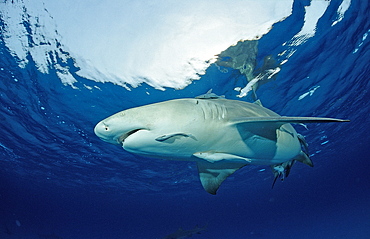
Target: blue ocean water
58,180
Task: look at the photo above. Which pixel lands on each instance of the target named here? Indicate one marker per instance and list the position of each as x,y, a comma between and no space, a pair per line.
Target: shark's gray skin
220,135
181,233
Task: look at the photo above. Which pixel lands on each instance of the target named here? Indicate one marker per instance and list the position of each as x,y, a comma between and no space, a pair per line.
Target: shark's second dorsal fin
258,102
210,95
213,174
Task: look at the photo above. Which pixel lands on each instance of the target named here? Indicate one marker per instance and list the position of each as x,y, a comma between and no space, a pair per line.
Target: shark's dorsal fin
284,120
213,174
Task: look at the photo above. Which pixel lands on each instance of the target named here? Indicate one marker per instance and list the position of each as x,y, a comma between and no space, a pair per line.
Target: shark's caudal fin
213,174
284,120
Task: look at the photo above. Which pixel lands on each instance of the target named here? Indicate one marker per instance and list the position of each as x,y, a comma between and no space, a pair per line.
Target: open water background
58,180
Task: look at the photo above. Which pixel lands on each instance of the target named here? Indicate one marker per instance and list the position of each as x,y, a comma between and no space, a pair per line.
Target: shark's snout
103,131
114,134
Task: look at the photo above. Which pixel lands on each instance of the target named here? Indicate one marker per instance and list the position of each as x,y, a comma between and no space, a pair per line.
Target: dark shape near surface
181,233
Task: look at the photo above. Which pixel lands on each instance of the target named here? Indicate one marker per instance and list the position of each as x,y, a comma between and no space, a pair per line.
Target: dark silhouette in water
49,236
243,57
7,230
181,233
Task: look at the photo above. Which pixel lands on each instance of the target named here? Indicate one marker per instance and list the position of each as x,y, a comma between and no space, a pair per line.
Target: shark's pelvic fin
304,158
213,174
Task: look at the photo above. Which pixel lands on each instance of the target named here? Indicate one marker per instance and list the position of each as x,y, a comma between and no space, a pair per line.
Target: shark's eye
106,127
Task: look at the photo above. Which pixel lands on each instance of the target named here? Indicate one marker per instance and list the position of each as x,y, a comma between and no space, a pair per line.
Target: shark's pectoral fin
173,135
278,121
213,174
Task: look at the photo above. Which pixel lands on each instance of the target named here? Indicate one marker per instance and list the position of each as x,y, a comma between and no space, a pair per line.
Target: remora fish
220,135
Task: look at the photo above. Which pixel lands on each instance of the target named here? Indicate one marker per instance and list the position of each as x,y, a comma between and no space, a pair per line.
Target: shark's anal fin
212,156
168,136
213,174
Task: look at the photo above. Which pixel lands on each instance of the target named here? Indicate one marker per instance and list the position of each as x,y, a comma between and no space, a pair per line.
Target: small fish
309,93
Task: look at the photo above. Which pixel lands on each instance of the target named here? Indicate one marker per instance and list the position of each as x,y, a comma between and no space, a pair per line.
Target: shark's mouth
121,139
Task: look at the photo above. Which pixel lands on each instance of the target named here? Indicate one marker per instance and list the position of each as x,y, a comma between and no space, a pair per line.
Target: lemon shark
219,134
